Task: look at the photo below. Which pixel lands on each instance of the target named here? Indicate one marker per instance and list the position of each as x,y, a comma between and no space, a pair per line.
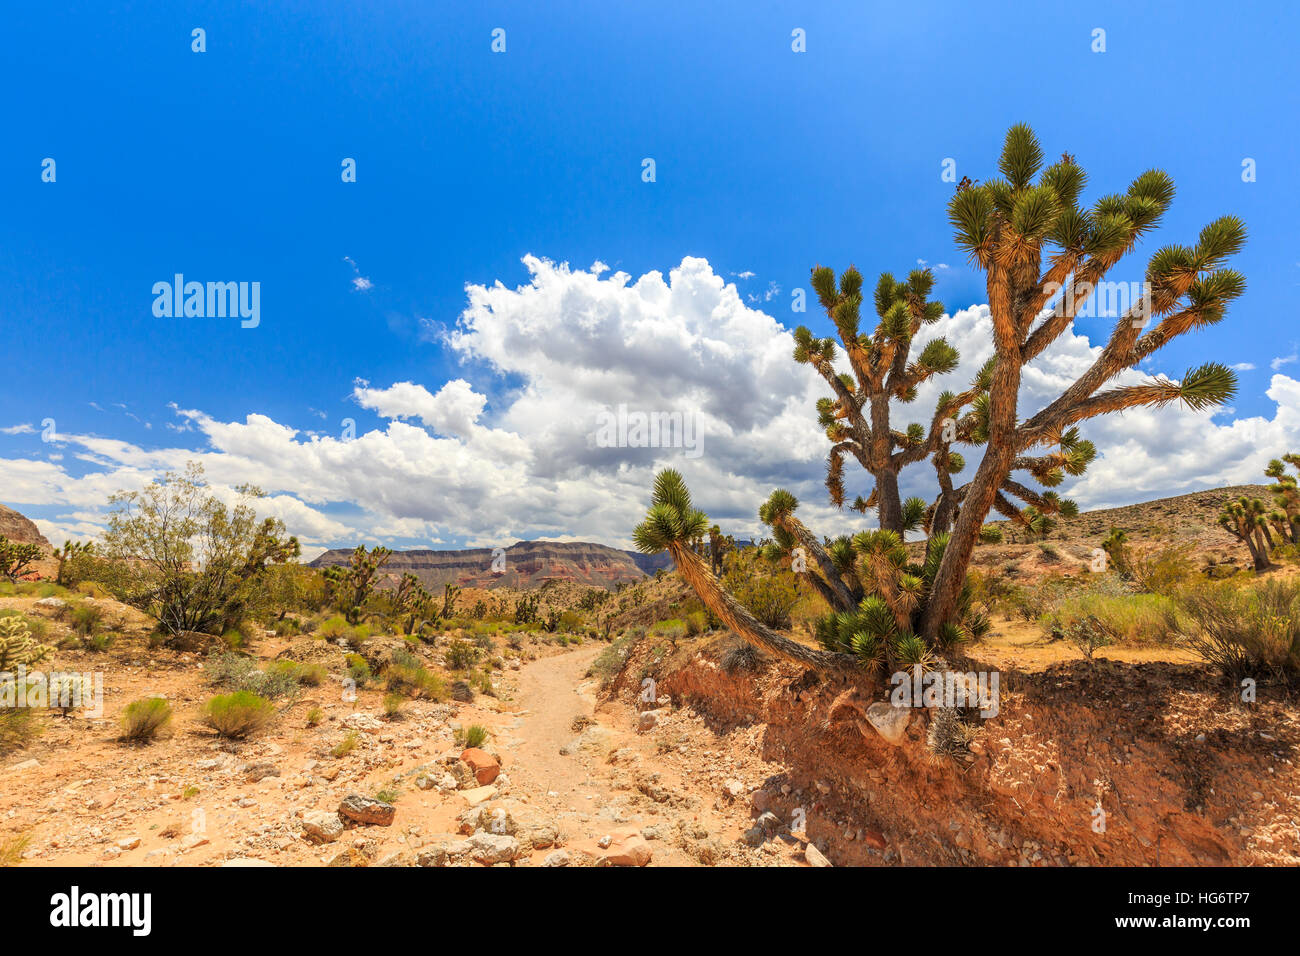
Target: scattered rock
890,721
485,766
814,856
322,826
367,810
490,848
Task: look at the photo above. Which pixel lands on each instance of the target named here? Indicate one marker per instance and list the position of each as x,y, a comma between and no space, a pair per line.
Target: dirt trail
551,696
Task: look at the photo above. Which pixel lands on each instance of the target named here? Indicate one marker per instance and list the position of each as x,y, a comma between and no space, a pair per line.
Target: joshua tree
16,557
1246,519
857,416
66,553
1032,240
449,594
1115,544
352,584
671,524
1286,496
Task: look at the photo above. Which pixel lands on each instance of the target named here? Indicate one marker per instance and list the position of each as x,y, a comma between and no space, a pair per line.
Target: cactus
17,646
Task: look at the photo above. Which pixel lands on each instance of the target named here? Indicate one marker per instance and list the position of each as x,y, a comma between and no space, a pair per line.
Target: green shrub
461,655
613,658
345,746
143,719
237,672
475,735
405,675
315,716
1129,618
359,669
1244,631
237,715
83,617
393,702
334,627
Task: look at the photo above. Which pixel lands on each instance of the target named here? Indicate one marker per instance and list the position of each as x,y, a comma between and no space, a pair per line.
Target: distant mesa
528,564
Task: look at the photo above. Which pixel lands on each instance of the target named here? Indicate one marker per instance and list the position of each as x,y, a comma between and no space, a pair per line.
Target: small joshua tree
351,585
16,557
1246,519
1286,496
449,594
69,551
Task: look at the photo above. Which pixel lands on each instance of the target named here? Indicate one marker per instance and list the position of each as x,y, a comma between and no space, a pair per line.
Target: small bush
461,655
612,660
315,716
393,702
475,735
333,628
1245,631
84,617
742,656
12,849
237,715
345,746
143,719
359,670
239,673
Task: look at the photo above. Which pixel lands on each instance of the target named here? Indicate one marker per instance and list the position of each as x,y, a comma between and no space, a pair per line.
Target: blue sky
225,165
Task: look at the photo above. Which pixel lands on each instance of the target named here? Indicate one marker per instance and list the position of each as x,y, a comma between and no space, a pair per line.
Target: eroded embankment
1183,773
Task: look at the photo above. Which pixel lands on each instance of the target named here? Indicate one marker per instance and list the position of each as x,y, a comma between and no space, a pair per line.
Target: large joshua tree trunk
993,470
691,566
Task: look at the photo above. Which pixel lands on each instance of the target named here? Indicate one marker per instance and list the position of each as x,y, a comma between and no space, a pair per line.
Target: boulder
322,826
889,721
483,764
367,810
491,848
626,851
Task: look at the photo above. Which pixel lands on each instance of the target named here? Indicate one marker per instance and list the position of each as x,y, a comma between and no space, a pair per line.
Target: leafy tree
192,560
